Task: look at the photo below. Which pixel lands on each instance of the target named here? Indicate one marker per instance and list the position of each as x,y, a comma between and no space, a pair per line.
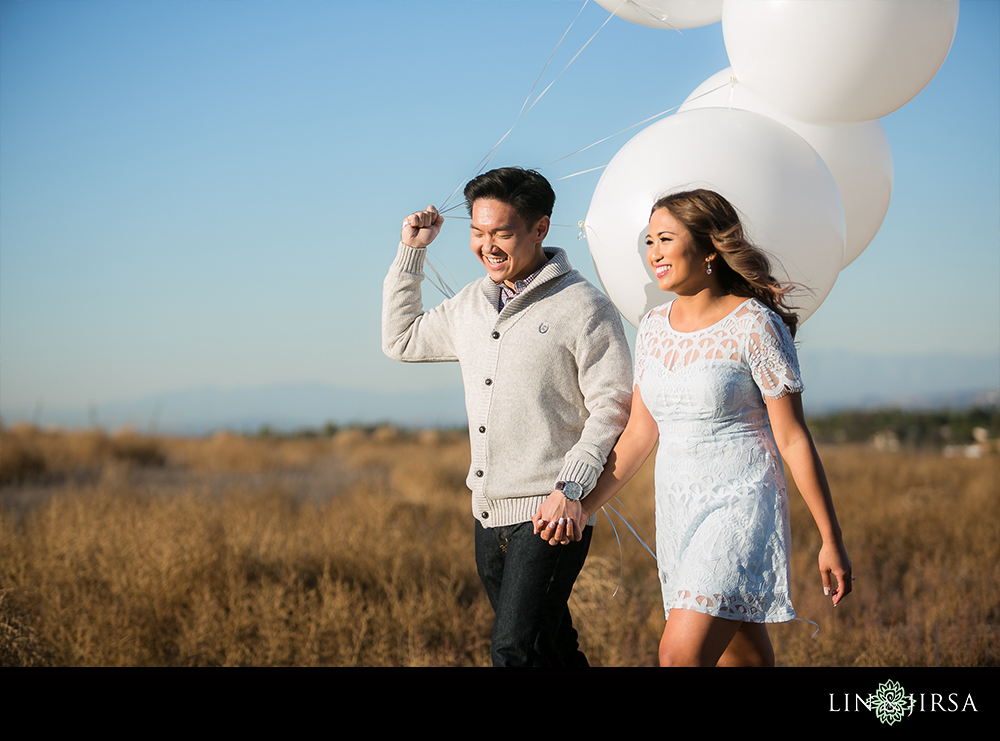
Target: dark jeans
529,582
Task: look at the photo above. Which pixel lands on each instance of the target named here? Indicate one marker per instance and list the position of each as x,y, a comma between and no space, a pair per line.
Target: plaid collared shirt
507,293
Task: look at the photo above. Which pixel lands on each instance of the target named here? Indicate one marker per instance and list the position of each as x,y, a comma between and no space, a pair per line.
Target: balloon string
593,36
440,283
582,172
484,163
488,156
621,560
549,60
467,218
447,206
627,128
453,279
449,209
656,17
803,620
622,505
630,528
570,62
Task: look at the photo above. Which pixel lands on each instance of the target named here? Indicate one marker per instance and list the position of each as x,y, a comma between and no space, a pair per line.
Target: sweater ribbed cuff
582,473
585,475
410,259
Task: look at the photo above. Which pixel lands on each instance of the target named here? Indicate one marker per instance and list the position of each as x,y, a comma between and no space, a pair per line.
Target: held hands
559,520
833,562
421,228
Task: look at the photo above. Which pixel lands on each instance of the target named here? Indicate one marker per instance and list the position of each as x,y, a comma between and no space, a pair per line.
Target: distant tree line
912,429
909,430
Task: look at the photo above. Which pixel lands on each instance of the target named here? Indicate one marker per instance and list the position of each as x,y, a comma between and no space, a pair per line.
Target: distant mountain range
283,407
834,381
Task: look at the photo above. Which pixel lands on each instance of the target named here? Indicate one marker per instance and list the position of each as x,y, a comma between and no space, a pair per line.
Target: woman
717,383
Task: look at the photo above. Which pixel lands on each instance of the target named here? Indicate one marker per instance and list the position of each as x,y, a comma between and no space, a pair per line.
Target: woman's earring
708,266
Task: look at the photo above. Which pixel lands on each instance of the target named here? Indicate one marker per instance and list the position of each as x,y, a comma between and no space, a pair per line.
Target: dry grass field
356,550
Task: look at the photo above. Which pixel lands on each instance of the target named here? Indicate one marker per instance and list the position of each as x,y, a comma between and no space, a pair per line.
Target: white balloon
858,156
783,190
671,14
838,62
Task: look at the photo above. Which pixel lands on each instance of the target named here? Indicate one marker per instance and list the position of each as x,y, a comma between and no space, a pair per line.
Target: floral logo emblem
890,702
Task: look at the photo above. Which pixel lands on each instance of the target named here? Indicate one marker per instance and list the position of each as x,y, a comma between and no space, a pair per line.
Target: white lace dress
722,534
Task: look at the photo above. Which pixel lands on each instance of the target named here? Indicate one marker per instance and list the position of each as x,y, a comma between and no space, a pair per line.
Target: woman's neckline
713,324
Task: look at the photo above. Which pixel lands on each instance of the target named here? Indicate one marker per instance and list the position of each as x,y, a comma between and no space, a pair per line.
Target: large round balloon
858,156
672,14
785,193
838,62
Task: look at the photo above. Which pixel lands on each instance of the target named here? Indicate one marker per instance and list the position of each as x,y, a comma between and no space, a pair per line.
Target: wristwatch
571,490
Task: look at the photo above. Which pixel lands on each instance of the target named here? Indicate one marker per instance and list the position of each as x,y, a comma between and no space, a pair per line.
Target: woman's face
671,252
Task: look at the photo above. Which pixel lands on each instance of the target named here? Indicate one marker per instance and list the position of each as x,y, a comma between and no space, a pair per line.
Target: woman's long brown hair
716,228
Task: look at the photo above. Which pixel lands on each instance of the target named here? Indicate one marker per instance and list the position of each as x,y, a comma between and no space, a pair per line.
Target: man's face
509,249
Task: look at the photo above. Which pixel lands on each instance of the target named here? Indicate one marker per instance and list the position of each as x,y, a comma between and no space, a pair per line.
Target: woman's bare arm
798,451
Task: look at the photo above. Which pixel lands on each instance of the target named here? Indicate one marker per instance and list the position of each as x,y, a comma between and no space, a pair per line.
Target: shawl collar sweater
548,380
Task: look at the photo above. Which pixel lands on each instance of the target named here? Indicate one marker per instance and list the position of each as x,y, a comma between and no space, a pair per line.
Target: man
547,376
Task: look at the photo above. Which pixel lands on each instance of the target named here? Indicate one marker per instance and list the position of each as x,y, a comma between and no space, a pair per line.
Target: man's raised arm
408,333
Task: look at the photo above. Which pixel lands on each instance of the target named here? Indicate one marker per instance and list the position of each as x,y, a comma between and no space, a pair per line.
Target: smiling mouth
495,260
661,270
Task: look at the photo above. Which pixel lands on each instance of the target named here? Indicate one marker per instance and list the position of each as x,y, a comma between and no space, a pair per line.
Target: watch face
572,491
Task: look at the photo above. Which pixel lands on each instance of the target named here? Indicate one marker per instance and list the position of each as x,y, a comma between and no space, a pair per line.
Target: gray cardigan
548,380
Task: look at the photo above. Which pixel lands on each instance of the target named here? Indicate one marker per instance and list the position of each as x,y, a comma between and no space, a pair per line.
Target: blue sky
209,193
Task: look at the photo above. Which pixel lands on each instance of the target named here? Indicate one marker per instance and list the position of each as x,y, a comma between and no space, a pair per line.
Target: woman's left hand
834,563
547,523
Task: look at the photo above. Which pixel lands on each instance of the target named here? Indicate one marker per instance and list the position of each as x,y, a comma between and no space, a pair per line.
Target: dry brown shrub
349,438
228,452
923,536
27,453
131,447
367,578
385,434
383,574
20,644
21,458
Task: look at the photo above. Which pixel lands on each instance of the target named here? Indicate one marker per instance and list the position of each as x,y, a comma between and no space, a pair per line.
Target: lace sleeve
771,355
